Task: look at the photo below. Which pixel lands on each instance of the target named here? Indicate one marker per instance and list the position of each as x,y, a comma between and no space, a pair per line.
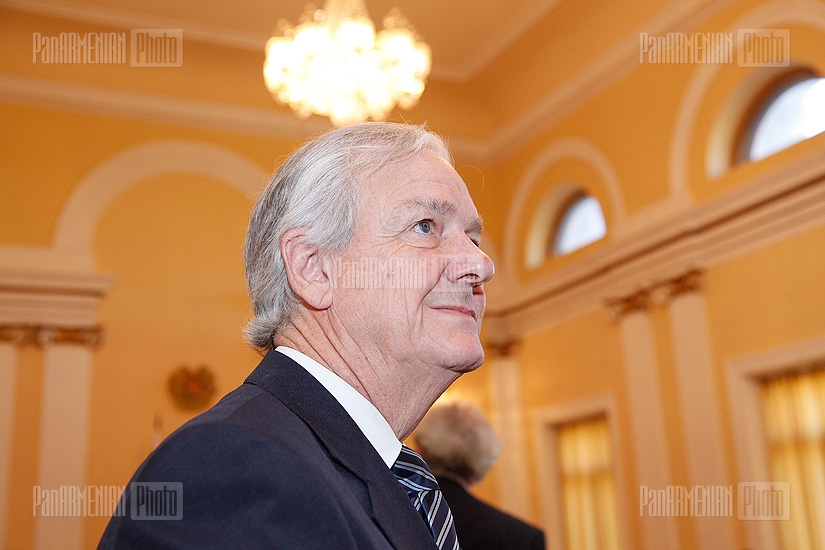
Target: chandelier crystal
333,63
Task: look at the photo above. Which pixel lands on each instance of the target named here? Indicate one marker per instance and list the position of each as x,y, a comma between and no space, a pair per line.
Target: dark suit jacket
479,526
277,463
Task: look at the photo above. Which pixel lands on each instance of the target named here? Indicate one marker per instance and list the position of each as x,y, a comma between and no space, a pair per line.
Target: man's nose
470,265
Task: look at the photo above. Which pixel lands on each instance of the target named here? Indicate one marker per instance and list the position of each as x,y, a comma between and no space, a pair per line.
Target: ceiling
464,34
503,71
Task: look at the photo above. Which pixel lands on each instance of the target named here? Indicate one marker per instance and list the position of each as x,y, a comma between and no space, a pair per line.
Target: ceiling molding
164,109
587,84
519,24
157,108
243,40
126,19
596,77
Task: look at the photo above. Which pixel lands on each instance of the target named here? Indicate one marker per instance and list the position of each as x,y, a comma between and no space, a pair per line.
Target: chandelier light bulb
334,64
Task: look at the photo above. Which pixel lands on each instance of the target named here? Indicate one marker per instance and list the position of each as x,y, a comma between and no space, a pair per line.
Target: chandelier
334,64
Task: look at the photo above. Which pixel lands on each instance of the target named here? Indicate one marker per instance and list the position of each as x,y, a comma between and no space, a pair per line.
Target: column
698,398
646,414
508,417
9,340
64,432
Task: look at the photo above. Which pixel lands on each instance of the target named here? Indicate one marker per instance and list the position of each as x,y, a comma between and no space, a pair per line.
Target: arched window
579,225
794,111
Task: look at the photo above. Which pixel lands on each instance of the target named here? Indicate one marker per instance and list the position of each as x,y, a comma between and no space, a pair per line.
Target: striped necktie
412,472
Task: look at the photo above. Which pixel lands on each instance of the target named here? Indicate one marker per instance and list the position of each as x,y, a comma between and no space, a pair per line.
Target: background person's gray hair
317,188
456,438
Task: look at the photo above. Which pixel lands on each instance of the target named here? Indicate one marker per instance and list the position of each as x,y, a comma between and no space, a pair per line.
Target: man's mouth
464,310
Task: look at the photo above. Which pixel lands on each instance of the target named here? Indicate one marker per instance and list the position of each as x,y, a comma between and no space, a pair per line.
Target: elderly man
365,275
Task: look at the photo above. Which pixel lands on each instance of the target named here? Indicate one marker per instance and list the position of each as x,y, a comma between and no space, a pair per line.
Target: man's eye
424,226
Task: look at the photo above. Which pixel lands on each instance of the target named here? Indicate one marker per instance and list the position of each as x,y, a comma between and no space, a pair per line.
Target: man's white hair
456,439
318,189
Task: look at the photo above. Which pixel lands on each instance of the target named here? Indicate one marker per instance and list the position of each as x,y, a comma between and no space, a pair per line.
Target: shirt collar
374,426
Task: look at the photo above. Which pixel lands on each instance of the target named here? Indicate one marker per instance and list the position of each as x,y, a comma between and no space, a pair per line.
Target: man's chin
468,361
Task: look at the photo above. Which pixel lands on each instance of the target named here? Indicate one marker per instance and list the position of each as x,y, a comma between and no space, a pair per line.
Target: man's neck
401,393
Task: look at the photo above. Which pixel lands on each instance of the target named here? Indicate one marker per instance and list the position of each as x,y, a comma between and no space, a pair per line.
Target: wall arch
573,148
804,13
75,227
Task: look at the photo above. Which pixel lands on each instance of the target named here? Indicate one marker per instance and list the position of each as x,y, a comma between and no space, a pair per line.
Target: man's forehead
423,183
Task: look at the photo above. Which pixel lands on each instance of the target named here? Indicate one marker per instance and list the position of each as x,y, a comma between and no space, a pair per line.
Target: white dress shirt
374,426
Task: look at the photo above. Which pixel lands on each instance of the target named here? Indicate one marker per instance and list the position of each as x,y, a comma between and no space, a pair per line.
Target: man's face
410,285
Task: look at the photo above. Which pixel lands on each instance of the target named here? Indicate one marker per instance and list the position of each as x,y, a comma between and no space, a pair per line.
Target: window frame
545,424
745,376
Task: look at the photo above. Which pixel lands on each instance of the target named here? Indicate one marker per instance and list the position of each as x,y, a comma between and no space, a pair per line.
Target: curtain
794,410
588,487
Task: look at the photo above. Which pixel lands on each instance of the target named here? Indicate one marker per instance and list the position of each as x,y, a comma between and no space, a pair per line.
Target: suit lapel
390,507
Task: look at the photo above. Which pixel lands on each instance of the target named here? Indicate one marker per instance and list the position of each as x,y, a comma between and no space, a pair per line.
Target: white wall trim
743,376
89,200
50,298
37,288
595,78
544,422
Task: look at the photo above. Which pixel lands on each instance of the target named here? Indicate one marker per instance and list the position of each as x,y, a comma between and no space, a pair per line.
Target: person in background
460,446
366,281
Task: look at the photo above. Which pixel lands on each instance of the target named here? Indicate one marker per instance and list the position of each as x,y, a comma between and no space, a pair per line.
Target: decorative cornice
157,108
638,301
50,299
684,284
45,335
774,206
661,292
18,334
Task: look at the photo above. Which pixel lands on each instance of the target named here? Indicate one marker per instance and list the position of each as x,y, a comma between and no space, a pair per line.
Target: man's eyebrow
433,205
476,225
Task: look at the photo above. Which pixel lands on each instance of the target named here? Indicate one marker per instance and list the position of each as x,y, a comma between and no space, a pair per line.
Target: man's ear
305,270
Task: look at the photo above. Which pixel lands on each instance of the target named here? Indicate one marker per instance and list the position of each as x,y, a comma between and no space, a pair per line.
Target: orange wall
173,241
